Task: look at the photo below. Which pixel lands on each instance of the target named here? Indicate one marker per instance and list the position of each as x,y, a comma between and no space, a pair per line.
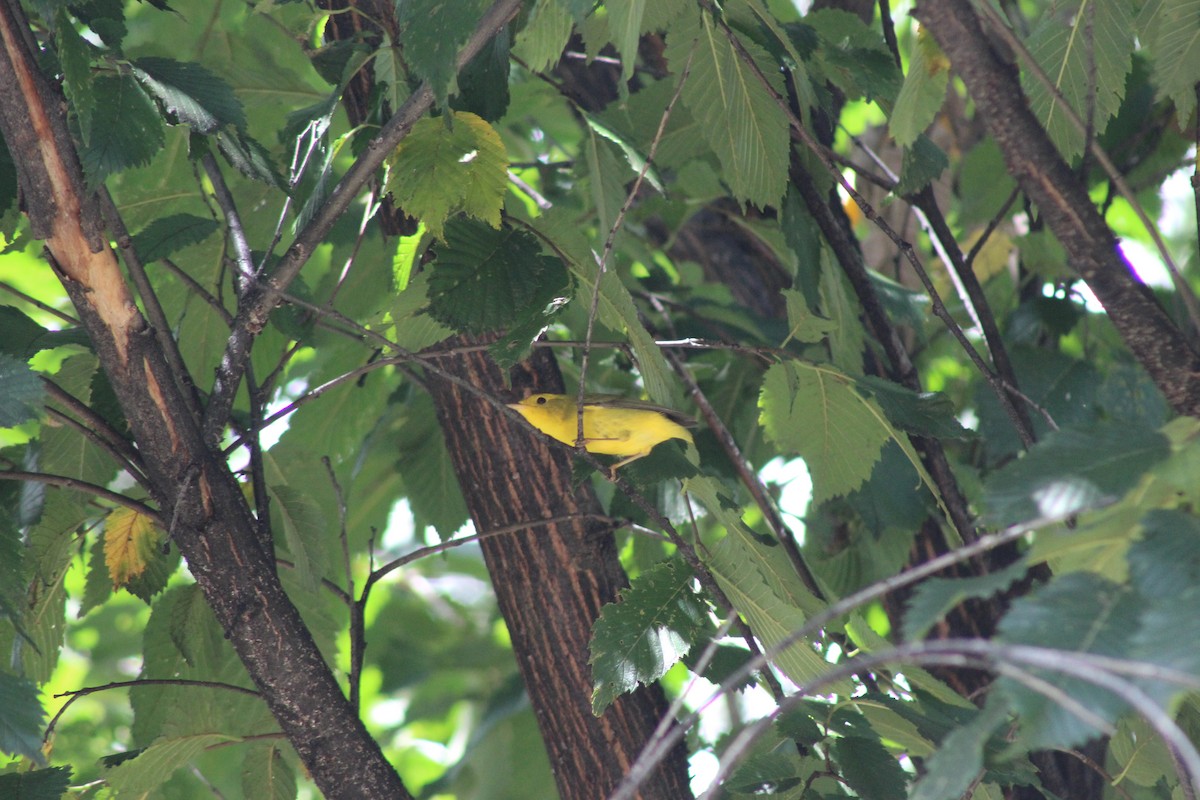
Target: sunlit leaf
267,775
923,91
450,165
154,765
817,413
1177,54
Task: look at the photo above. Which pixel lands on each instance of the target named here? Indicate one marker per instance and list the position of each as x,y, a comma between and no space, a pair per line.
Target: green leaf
483,82
634,156
21,392
802,235
166,235
804,325
854,56
195,96
768,774
1064,386
1083,70
64,450
126,130
97,587
870,770
923,163
636,640
923,91
1077,613
267,775
1165,561
604,182
20,336
427,469
1071,470
154,765
299,519
75,56
415,328
926,414
935,596
446,165
190,624
738,116
160,566
249,157
958,761
847,341
487,279
1177,54
40,784
816,412
625,26
21,718
763,586
544,37
616,307
433,33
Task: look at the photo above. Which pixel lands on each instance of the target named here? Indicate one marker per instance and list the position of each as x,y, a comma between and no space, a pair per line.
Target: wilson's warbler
612,426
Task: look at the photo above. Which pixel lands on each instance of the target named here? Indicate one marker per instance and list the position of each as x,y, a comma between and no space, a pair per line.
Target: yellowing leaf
446,166
130,540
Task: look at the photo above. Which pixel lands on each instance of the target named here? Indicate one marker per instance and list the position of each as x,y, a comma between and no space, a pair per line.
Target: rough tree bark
550,580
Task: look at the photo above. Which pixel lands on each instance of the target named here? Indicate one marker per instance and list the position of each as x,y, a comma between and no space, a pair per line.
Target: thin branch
749,477
33,301
424,552
107,437
76,694
657,748
64,482
243,259
1007,659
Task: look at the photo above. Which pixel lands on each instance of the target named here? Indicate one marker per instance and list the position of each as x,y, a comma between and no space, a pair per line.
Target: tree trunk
550,579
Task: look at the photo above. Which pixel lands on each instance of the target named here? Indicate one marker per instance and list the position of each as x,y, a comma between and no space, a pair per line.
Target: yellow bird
612,425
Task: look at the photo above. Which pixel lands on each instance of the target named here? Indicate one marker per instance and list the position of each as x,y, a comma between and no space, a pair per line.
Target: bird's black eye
541,401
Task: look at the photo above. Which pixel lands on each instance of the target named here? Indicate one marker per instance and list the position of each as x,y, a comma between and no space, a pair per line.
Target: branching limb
265,295
64,482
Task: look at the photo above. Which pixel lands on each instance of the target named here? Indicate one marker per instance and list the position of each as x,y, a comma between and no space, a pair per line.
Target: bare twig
76,694
64,482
